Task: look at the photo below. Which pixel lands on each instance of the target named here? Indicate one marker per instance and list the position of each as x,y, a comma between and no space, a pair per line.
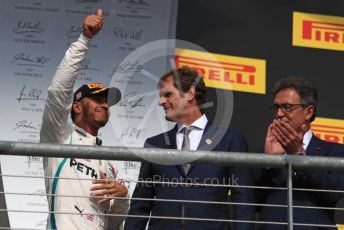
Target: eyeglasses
286,108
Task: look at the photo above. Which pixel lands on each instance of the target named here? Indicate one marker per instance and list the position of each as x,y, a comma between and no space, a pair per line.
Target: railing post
290,196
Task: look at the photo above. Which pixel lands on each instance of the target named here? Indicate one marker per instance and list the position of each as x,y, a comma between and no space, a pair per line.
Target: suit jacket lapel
314,147
206,140
170,138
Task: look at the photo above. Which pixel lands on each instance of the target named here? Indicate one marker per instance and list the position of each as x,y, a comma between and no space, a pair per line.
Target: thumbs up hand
93,24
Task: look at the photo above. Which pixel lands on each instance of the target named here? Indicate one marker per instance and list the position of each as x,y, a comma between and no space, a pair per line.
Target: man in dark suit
295,107
182,92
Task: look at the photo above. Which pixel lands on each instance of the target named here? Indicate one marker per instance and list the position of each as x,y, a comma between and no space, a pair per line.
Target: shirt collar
200,123
85,134
307,138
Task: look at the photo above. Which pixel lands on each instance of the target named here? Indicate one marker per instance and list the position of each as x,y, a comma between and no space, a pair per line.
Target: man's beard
102,123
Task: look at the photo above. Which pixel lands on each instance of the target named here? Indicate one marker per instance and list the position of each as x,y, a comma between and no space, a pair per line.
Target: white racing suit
87,214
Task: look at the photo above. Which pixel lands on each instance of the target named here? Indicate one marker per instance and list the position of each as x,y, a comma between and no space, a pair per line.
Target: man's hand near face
289,139
272,146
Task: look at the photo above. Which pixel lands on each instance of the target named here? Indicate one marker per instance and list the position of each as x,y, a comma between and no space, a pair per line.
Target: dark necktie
186,144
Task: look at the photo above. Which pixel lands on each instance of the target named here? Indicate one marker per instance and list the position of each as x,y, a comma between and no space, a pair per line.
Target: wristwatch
302,153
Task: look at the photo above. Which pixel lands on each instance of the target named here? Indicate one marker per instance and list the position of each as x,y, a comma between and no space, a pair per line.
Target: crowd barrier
252,160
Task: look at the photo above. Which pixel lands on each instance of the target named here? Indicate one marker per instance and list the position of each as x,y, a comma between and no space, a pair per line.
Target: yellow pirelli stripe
318,31
329,129
340,226
226,72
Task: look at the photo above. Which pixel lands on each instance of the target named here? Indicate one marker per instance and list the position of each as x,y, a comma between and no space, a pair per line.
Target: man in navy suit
295,107
182,92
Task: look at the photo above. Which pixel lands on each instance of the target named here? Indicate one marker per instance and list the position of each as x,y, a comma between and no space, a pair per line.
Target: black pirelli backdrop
264,30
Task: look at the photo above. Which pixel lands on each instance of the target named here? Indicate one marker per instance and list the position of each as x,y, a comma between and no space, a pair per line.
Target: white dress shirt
195,135
307,138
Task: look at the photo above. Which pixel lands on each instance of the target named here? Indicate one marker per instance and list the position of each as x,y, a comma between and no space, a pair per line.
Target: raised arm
60,92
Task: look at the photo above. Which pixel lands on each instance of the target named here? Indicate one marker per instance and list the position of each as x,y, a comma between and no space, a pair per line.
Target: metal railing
252,160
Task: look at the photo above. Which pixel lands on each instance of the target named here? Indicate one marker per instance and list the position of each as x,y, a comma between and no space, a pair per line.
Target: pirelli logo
329,129
226,72
318,31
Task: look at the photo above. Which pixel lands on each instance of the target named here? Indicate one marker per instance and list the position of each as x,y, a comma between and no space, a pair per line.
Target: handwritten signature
86,65
26,59
40,192
131,133
132,100
28,27
24,124
34,160
128,68
131,165
86,1
134,3
41,223
74,32
124,33
30,95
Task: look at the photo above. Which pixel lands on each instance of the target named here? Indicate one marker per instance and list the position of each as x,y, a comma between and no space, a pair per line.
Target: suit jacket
311,179
232,140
